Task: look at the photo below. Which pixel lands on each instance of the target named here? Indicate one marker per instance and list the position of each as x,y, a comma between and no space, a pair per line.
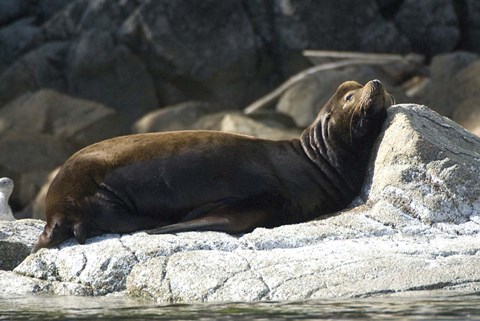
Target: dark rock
42,67
12,9
102,71
207,59
45,9
15,39
431,26
328,25
470,15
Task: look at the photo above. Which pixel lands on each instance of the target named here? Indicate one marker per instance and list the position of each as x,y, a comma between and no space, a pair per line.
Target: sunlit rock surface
415,228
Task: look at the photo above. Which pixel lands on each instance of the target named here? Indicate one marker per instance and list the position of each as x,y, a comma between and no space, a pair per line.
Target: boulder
77,122
451,82
16,38
425,171
136,55
178,117
245,125
414,227
431,27
464,85
176,43
28,159
467,114
40,130
11,9
312,24
17,240
124,83
41,67
273,118
471,10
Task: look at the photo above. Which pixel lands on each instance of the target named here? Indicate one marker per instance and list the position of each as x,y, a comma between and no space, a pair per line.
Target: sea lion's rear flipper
53,234
220,220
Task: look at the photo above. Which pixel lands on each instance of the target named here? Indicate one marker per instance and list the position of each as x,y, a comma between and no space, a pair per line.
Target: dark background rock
431,26
469,24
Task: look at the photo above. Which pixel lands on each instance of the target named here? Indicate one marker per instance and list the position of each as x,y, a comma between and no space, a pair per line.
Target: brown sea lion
205,180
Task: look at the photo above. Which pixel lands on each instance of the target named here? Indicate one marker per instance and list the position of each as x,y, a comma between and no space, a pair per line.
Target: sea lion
205,180
6,188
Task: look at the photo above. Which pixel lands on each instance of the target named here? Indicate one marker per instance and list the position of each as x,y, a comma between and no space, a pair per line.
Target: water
41,308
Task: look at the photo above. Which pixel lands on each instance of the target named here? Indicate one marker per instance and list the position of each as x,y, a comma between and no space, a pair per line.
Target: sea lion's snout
375,97
376,82
374,87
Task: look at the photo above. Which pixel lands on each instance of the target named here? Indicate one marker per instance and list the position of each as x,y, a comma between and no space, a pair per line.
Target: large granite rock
414,227
16,241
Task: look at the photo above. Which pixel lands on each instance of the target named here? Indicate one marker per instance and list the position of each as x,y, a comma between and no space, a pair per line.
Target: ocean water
119,308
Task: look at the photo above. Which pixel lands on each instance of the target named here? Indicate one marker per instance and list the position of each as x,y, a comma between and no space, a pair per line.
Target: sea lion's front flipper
220,220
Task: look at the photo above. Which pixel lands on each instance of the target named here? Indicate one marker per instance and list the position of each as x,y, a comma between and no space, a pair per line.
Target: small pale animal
6,188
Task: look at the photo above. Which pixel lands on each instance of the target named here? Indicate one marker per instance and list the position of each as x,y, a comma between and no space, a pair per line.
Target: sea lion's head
355,111
348,124
353,114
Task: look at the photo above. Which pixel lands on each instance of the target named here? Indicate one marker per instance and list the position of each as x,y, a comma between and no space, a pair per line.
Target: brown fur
205,180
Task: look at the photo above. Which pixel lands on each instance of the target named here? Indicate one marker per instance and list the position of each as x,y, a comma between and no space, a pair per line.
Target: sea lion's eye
348,97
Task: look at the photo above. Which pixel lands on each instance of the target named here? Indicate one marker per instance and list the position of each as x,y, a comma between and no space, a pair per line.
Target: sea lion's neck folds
315,148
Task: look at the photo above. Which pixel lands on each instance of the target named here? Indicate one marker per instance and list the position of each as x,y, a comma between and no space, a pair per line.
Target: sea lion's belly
172,185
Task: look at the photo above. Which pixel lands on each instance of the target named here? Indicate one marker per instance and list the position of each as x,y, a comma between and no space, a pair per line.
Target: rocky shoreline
414,229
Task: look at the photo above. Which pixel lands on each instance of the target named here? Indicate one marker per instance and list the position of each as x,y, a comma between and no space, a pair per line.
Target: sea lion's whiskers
392,99
350,127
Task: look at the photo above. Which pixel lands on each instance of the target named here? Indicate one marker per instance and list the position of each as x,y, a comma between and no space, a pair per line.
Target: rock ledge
415,228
